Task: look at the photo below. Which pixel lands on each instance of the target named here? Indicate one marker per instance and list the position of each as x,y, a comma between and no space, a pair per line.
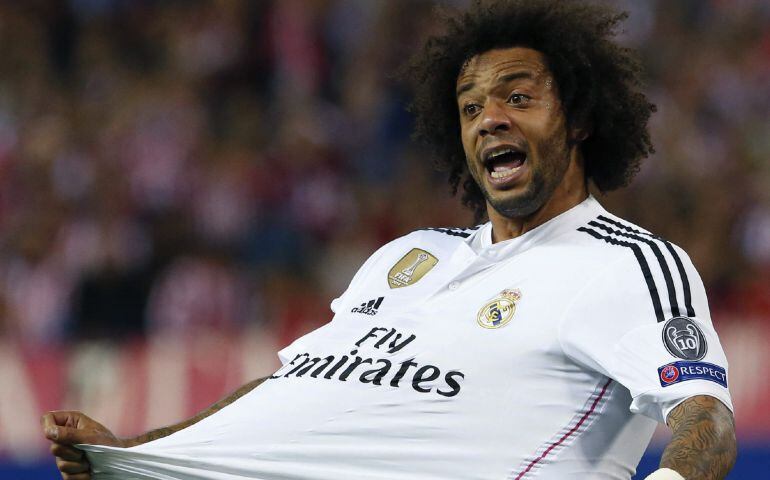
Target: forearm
166,431
703,445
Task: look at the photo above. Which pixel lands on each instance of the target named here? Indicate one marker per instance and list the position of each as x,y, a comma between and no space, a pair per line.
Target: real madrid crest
411,268
499,312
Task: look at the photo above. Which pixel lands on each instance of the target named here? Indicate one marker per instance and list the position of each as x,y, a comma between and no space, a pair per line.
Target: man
545,343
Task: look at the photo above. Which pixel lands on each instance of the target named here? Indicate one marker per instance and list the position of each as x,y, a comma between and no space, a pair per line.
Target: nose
493,120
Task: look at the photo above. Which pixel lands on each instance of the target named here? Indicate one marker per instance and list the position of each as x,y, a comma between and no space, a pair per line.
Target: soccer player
545,343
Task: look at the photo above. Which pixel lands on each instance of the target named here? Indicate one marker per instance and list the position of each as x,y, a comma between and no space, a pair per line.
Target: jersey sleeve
288,353
339,302
663,352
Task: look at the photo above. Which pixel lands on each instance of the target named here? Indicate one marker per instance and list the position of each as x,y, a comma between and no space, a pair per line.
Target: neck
570,192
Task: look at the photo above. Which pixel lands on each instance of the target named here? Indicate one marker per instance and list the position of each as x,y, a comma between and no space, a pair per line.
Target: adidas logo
370,307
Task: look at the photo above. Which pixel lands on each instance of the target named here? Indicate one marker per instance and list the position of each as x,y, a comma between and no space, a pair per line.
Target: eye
518,99
471,109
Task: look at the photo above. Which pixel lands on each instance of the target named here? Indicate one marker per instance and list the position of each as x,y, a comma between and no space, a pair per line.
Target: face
513,129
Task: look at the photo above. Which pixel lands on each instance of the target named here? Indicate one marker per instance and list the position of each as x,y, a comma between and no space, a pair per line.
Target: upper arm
701,410
703,445
612,327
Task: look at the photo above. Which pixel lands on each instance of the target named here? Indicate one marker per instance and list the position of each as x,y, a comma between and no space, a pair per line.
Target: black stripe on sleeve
654,295
658,254
674,254
455,232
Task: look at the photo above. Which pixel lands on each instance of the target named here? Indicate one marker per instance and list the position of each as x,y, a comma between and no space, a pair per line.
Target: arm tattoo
166,431
703,446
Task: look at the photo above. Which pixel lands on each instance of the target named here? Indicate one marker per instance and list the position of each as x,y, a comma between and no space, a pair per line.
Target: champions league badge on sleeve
498,312
682,371
411,268
683,338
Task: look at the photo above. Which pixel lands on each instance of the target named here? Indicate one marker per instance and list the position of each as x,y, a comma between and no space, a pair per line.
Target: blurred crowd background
186,167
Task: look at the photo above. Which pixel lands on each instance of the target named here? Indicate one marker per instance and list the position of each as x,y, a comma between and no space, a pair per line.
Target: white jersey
552,355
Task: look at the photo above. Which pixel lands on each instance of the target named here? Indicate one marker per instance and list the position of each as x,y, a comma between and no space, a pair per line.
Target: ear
579,133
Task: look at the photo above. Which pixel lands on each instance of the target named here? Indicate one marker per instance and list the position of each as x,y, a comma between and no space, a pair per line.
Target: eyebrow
504,79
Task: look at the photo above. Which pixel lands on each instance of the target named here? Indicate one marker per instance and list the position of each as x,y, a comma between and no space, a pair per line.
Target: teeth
504,172
501,152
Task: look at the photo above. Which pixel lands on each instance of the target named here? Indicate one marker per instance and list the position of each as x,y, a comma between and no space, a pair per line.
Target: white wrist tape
664,474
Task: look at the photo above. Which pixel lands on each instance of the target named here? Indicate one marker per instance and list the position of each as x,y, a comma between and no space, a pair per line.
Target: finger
72,467
51,422
49,426
47,420
66,452
59,417
52,433
69,436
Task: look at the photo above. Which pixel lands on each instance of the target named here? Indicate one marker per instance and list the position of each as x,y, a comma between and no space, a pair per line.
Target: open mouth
504,162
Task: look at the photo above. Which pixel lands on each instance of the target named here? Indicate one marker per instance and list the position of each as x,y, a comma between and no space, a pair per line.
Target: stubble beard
546,176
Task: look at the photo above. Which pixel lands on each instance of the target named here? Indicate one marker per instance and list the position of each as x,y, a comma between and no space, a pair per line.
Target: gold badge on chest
411,268
499,312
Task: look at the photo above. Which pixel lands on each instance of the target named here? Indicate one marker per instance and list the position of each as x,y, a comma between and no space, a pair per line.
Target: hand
67,428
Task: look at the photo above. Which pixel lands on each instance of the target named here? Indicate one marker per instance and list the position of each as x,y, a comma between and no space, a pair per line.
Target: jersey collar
481,240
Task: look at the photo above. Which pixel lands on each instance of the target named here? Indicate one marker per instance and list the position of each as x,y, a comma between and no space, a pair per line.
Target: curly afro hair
598,81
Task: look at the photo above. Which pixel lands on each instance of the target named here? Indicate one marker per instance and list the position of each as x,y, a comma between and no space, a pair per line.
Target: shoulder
439,242
441,239
640,259
452,232
606,230
610,233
